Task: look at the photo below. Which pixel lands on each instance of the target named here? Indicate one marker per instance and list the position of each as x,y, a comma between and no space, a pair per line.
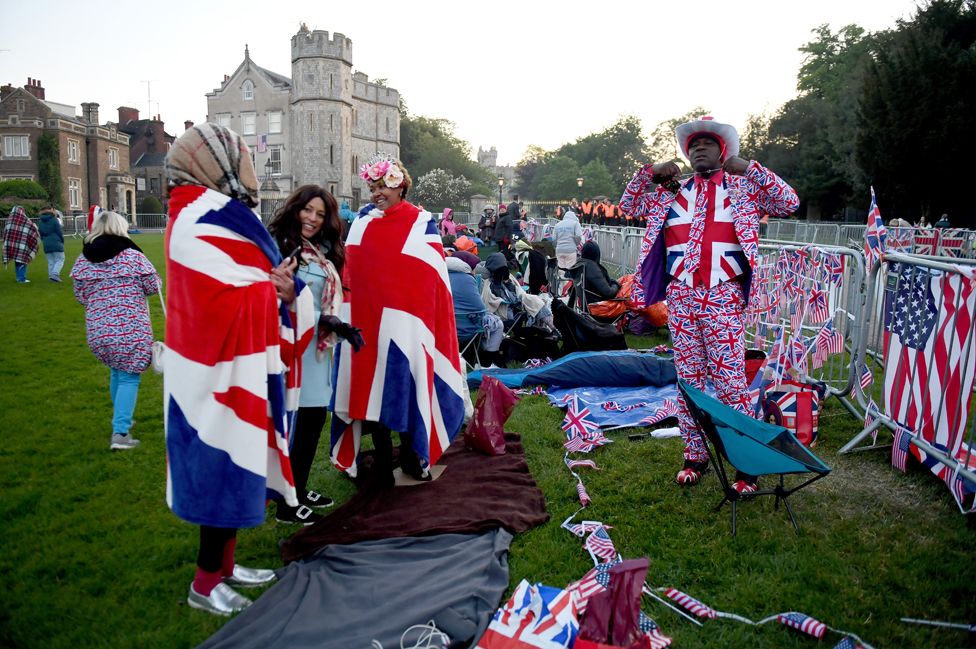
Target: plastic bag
612,616
608,308
486,431
656,314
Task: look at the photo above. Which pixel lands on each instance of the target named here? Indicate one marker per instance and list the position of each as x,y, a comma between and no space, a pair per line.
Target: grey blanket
346,596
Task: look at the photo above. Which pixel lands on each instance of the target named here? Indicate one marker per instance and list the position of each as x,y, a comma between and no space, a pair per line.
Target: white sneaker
123,442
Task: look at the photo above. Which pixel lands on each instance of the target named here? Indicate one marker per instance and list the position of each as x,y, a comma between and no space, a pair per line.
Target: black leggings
212,543
383,443
308,429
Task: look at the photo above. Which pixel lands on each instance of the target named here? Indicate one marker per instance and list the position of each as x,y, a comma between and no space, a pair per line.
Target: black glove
331,324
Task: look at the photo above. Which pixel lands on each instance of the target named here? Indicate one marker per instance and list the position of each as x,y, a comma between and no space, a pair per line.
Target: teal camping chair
751,446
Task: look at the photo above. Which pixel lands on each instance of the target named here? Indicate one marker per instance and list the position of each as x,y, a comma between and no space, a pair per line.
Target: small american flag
584,528
803,623
900,448
961,487
876,234
668,409
600,545
866,378
690,604
848,643
573,464
584,497
262,143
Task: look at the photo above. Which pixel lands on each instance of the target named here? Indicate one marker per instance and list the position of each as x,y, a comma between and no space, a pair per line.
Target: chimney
5,90
128,114
187,125
35,88
89,110
226,77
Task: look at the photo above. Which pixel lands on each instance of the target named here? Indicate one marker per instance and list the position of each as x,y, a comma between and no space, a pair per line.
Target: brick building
319,125
148,145
93,159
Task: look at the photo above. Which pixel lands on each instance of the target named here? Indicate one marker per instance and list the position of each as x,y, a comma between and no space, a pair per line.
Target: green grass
92,557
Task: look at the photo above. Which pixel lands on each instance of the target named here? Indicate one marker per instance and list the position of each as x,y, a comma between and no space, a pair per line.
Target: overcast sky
509,74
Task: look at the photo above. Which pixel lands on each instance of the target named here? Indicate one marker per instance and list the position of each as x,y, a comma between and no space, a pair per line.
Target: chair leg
789,510
734,511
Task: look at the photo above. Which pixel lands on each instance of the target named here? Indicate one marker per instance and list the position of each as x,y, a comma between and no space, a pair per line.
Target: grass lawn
93,557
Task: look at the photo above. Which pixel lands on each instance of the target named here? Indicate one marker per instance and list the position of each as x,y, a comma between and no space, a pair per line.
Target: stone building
93,158
319,125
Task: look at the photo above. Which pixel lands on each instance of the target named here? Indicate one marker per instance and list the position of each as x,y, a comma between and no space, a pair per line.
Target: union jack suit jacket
758,192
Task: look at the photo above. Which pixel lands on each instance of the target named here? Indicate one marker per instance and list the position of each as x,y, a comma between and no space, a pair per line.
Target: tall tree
428,143
597,181
534,158
621,147
557,179
663,146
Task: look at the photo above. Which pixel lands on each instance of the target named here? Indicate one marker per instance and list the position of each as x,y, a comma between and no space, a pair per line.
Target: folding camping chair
581,299
751,446
470,346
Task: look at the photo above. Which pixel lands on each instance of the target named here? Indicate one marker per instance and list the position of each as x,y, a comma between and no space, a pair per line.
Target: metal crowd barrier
922,333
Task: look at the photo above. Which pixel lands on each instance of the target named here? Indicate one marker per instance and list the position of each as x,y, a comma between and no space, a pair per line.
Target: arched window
248,90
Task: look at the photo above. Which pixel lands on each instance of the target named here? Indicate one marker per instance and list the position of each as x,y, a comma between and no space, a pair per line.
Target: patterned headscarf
217,158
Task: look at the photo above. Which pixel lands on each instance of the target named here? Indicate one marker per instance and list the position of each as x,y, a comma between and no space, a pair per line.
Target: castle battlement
318,43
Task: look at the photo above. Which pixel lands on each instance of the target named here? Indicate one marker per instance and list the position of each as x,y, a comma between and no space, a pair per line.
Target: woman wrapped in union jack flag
237,324
699,251
407,377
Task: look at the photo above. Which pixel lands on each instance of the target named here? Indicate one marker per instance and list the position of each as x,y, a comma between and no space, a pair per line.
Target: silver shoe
244,577
123,442
223,600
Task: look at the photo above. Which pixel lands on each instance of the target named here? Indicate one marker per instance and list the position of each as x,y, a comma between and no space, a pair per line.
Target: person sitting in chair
471,315
504,297
598,284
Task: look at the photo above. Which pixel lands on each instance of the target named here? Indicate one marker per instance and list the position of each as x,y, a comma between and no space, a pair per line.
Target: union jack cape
233,361
408,373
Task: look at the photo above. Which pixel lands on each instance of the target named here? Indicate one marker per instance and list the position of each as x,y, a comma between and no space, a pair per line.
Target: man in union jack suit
699,251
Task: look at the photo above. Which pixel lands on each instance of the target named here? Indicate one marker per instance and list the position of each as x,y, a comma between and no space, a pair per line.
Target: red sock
204,581
228,565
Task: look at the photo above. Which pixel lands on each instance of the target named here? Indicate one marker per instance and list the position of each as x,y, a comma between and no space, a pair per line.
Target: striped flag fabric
865,378
690,604
584,497
817,305
534,617
875,235
928,330
847,642
803,623
575,464
583,528
900,448
668,409
600,545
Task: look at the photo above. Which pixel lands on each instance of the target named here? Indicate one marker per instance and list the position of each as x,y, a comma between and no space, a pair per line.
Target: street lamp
501,182
579,184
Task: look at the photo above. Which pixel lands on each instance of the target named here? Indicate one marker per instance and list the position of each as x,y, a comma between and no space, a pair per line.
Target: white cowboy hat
726,134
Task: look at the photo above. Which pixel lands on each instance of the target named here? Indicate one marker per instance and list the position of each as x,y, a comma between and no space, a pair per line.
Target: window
74,193
74,151
154,185
331,123
223,119
247,123
16,146
113,158
21,106
274,155
388,125
247,91
331,154
355,165
274,121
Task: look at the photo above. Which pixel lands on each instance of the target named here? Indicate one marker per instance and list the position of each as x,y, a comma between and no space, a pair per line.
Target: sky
508,74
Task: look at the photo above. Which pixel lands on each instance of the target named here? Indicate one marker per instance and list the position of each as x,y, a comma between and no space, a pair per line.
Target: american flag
875,235
229,386
961,487
583,528
803,623
573,464
668,409
690,604
865,378
829,340
584,497
262,143
900,448
847,642
928,327
600,545
598,580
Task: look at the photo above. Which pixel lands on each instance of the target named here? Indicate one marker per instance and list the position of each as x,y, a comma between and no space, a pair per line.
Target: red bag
486,430
612,616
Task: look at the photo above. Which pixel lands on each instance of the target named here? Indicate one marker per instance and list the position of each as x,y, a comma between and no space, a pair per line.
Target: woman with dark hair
308,227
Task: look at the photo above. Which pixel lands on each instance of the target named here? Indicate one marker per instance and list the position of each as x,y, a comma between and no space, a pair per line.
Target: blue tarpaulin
627,368
594,398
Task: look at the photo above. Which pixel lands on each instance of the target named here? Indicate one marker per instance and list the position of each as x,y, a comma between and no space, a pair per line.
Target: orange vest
587,207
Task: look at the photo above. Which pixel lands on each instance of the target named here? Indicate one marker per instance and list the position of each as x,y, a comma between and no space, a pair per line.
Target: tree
438,189
597,181
428,143
150,205
49,168
663,146
533,159
621,148
556,180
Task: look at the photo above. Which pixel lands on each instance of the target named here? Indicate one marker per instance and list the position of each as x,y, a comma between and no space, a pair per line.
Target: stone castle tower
338,118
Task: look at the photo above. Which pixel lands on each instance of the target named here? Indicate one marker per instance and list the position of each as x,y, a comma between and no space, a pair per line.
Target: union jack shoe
744,487
691,473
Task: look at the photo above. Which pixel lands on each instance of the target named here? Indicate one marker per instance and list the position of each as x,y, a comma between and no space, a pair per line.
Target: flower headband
384,169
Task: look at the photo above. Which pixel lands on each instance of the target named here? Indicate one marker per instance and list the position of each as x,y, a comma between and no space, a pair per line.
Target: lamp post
501,182
579,184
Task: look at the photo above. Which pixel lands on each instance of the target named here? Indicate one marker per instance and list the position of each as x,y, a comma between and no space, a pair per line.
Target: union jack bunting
582,434
598,580
817,304
600,545
537,390
803,623
537,362
613,405
690,604
928,327
900,448
875,235
662,349
834,266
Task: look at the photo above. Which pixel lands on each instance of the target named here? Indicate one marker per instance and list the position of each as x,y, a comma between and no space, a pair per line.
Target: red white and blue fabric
758,192
534,617
598,580
582,433
875,235
703,248
408,374
20,238
117,324
709,343
803,623
668,409
928,328
847,642
900,448
233,360
690,604
600,546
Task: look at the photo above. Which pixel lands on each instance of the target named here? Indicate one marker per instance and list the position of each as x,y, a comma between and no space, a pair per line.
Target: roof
150,160
275,78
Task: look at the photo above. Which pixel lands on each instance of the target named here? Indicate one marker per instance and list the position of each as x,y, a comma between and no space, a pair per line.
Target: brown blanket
475,493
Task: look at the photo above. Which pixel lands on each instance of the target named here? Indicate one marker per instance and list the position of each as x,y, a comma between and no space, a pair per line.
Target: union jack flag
600,545
536,617
875,235
817,304
803,623
230,382
928,326
582,434
408,373
598,580
690,604
834,266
